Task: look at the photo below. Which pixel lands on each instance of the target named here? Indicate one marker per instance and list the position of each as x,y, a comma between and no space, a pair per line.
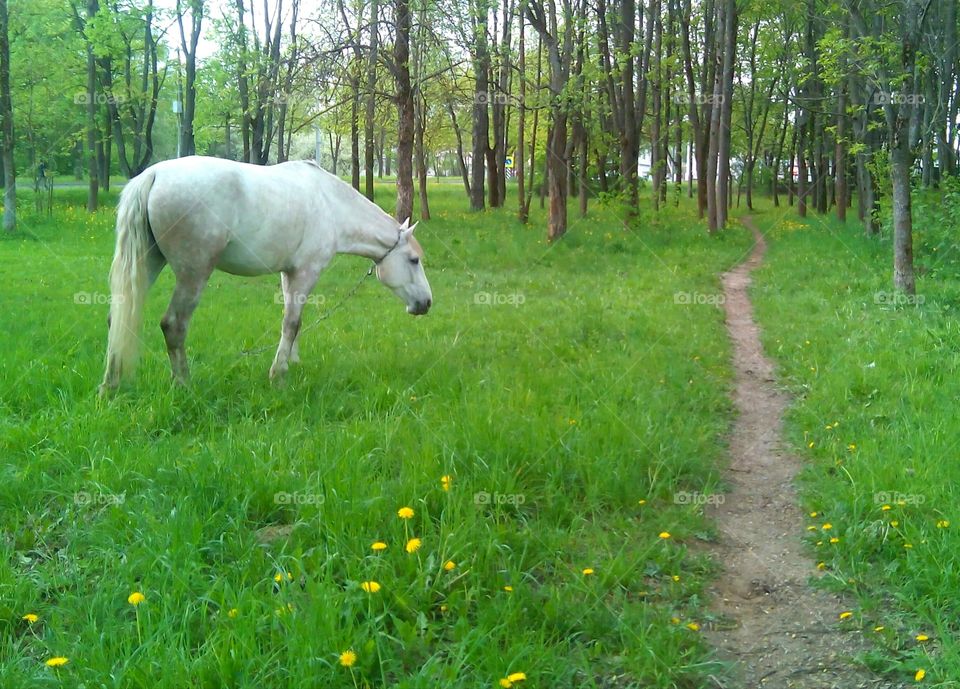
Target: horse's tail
129,280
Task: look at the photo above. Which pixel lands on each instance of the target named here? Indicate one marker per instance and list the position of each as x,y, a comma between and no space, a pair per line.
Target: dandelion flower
943,524
232,613
811,528
449,566
886,508
846,615
136,598
676,577
664,535
588,571
922,637
879,628
517,676
895,523
827,526
348,658
505,683
508,589
370,586
821,565
378,546
58,661
30,617
813,514
693,626
446,481
405,513
920,675
642,502
413,545
834,540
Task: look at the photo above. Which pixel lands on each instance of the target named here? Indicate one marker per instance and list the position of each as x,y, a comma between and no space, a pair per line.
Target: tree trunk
6,126
370,101
405,115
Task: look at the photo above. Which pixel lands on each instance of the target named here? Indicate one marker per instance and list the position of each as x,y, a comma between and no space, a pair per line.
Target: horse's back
248,219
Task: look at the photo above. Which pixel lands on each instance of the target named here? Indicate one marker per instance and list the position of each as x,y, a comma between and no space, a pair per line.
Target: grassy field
574,395
874,377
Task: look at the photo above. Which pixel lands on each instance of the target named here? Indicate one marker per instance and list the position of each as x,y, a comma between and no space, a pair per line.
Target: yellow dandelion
811,528
813,515
846,615
922,637
886,508
920,675
232,613
642,502
943,524
664,535
136,598
675,620
676,577
810,444
909,546
449,566
370,586
879,628
821,565
588,571
30,617
508,589
405,513
446,481
517,676
895,523
693,626
852,447
348,658
827,526
505,683
413,545
57,661
378,546
443,608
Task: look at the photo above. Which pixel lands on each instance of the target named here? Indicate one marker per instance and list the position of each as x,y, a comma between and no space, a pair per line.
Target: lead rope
336,307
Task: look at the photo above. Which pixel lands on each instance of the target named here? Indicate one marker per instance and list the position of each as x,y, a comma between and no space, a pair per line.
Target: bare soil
775,628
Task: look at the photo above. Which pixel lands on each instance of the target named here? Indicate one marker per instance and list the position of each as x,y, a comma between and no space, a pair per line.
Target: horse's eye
415,260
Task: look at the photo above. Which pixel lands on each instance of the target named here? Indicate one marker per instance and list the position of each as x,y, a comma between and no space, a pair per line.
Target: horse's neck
370,234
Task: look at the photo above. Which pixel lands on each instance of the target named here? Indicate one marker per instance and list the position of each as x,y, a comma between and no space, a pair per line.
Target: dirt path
780,632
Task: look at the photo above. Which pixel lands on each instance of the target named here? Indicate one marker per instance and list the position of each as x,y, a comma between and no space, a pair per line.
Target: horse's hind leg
297,286
186,296
295,348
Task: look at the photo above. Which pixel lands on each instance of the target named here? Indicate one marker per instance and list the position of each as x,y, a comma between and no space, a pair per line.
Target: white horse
199,214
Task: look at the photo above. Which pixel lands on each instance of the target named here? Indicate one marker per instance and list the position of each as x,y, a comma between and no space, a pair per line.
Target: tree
188,44
6,125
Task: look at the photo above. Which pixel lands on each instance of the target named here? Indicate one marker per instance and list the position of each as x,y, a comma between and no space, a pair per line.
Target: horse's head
402,271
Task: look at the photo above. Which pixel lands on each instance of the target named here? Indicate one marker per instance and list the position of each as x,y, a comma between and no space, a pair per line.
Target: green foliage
565,382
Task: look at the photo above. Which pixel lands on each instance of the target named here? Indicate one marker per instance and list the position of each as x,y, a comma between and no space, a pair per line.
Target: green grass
875,385
597,391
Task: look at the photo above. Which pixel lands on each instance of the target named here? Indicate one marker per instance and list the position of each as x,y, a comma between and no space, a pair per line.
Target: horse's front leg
297,286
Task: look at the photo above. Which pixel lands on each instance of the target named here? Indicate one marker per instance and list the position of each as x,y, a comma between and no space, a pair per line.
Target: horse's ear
414,226
405,224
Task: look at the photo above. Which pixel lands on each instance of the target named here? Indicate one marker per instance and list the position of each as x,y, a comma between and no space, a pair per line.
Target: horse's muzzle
420,307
